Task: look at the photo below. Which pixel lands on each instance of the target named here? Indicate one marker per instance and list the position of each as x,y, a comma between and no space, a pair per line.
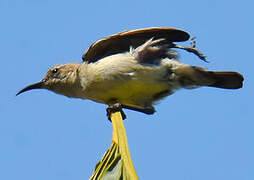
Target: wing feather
122,41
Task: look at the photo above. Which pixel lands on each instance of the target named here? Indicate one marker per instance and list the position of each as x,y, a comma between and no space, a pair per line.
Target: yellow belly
131,93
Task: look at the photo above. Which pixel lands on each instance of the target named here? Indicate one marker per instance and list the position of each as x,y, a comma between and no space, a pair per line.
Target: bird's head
60,79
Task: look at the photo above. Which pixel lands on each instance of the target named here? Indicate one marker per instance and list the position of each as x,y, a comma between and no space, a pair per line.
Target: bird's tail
198,76
226,80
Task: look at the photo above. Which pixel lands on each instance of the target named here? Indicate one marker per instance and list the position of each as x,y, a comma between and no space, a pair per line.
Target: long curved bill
31,87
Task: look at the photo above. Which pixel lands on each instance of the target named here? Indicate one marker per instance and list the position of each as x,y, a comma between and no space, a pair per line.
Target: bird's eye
55,71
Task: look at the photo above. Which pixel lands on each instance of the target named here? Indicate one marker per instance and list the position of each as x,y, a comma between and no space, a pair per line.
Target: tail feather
219,79
226,80
192,76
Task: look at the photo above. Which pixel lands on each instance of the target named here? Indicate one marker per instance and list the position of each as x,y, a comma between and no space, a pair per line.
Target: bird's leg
114,108
191,49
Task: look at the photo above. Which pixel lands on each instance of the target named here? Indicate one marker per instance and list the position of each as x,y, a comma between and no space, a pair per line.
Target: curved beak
38,85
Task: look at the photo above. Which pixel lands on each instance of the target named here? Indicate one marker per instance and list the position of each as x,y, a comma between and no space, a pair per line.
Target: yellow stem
120,138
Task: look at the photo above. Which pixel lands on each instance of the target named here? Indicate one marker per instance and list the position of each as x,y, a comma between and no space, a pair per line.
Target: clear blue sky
199,134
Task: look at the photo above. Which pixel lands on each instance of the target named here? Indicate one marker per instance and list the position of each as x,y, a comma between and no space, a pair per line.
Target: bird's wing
122,41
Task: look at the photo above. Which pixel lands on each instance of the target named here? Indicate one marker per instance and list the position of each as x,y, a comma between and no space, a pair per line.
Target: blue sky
206,133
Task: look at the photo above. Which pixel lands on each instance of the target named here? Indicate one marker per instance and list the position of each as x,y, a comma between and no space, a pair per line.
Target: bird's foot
114,108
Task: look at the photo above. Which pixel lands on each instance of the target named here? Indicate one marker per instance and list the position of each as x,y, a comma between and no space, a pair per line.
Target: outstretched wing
122,41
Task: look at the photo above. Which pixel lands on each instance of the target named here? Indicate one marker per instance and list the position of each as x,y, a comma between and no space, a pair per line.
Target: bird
134,69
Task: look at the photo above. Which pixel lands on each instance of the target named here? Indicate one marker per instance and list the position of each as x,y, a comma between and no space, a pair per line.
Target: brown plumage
122,41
